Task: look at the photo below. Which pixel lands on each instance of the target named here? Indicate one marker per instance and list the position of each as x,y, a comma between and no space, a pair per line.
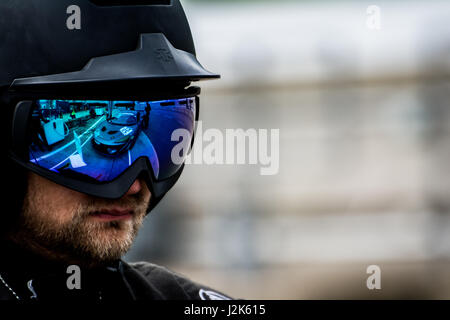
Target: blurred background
364,119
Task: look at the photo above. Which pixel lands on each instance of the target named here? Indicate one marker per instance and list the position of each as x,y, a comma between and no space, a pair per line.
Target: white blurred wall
364,121
279,42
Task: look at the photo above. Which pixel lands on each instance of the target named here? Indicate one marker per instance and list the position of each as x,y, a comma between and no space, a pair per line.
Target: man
74,211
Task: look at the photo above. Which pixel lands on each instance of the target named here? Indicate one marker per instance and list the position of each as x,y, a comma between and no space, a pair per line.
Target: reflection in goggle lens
101,139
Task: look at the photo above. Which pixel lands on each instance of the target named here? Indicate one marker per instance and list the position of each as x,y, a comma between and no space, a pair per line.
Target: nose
136,187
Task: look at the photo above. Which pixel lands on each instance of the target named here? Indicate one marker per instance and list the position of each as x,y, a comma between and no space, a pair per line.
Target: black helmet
149,41
97,49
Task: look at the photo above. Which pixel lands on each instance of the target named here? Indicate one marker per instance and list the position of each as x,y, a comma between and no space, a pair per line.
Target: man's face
66,224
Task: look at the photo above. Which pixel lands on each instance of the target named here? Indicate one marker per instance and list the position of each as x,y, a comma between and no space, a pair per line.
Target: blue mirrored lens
101,139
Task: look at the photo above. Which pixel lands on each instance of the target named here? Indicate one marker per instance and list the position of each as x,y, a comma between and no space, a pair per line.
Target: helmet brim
155,59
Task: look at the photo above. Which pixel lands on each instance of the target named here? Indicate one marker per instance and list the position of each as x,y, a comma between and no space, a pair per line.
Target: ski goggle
99,140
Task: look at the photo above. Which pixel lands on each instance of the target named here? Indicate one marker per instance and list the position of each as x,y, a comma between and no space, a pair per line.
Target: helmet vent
105,3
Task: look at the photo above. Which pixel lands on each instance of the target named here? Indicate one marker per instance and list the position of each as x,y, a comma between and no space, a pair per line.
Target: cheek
58,204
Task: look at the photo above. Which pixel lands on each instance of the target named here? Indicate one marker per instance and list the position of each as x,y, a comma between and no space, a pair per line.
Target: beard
82,239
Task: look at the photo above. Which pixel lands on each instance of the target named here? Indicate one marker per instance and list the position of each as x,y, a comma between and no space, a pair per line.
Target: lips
113,214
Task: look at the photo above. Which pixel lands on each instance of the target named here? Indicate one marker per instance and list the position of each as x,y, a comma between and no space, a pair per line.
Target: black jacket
26,276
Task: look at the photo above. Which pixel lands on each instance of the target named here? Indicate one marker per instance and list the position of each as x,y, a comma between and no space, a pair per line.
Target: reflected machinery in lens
119,132
102,138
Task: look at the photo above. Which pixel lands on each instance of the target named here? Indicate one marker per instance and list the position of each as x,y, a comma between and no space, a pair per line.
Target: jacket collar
21,268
